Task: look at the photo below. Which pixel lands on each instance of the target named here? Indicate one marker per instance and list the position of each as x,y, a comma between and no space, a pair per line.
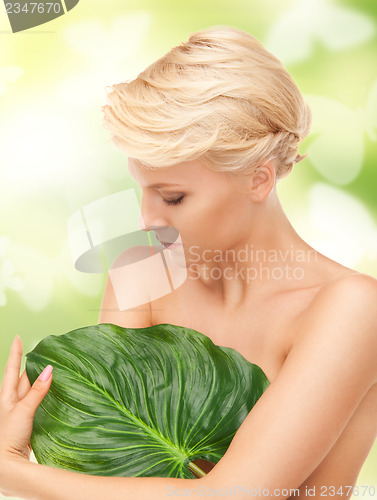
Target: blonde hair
220,97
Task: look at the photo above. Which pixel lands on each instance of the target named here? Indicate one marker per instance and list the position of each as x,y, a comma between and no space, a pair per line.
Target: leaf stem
194,468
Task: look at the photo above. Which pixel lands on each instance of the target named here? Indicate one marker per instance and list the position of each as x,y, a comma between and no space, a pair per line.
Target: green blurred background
55,157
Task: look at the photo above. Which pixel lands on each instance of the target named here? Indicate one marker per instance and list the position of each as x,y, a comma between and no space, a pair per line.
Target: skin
315,337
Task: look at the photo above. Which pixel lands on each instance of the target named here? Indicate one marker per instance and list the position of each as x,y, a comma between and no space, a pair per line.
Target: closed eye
177,201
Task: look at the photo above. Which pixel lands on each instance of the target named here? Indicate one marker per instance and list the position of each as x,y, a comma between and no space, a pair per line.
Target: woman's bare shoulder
333,280
344,308
351,286
135,317
110,312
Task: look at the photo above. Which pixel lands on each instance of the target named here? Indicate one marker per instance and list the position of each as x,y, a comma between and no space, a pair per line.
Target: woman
215,123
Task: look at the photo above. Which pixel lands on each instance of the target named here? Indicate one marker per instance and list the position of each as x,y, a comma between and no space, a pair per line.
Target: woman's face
211,210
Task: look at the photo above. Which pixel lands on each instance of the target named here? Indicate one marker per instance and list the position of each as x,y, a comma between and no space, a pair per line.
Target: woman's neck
273,256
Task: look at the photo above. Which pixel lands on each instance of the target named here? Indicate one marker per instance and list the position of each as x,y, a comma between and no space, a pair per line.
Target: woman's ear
262,180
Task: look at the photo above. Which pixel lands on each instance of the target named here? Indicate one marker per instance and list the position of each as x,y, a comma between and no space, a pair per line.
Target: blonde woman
215,124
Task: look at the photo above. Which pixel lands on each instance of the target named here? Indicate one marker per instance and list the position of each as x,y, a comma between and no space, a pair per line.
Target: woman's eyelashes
177,201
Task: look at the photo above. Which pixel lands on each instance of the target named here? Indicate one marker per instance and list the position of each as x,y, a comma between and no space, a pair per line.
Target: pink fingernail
45,375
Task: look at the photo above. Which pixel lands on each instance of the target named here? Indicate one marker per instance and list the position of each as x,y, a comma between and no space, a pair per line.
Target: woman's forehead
180,174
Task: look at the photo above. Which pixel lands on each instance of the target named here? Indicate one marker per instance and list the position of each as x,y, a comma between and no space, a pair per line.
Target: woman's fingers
24,385
9,385
38,391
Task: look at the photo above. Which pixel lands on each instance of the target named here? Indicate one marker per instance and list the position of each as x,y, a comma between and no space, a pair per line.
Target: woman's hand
18,403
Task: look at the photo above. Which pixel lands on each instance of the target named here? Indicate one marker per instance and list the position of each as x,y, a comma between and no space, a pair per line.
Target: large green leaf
139,402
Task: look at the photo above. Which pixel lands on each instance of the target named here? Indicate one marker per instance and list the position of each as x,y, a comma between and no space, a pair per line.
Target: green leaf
139,401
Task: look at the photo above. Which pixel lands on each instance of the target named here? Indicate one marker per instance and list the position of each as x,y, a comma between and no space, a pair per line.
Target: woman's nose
149,217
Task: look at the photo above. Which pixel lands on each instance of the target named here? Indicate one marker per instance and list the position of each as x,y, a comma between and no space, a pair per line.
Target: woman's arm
326,375
40,482
287,434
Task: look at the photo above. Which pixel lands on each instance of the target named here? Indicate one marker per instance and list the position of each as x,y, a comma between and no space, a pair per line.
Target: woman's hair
220,97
